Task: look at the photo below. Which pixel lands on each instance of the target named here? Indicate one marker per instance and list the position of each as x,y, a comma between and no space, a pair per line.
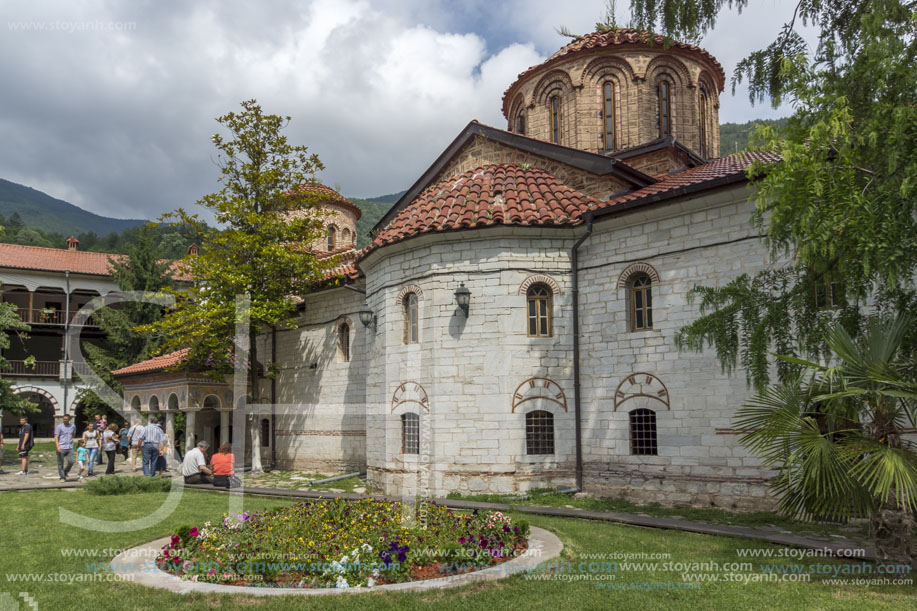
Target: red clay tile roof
55,259
717,168
619,37
156,363
330,196
530,198
504,194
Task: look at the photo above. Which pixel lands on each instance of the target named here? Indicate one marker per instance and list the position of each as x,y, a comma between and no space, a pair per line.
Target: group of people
147,442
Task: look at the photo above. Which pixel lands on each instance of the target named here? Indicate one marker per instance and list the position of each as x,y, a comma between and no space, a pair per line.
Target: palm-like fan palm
833,434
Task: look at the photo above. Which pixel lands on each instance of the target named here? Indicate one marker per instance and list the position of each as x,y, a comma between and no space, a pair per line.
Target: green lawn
34,537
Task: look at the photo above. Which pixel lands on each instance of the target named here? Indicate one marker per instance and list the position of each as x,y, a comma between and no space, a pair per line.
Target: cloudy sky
110,105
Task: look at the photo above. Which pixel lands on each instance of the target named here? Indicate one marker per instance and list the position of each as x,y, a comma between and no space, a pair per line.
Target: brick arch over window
516,109
603,67
538,279
637,268
555,81
539,388
410,392
38,391
674,67
411,288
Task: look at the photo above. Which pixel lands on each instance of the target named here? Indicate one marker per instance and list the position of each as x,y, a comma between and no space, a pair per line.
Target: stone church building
511,325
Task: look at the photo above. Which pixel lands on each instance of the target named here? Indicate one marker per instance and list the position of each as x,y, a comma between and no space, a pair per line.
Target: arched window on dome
538,303
520,122
332,237
554,106
703,119
609,135
640,301
664,107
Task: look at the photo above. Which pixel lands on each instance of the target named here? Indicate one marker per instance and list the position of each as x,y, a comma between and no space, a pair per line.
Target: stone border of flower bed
137,565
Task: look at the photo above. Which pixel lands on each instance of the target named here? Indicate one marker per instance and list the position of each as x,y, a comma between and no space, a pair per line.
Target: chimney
72,243
193,249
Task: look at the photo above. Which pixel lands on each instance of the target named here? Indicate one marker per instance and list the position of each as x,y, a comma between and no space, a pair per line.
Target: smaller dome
327,195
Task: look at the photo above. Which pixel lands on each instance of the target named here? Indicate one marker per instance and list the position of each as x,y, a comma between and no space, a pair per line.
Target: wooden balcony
45,369
40,316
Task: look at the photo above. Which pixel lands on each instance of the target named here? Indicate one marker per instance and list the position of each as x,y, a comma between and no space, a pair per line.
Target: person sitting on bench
223,467
194,466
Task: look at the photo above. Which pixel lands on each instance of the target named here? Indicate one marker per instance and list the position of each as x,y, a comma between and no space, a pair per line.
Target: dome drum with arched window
619,89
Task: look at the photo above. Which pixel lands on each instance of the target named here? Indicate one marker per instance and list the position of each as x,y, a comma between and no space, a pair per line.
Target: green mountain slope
37,209
372,211
734,136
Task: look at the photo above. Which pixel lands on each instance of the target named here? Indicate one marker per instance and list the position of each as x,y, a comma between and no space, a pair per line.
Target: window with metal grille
664,92
702,123
643,432
411,332
538,299
344,342
641,302
410,433
608,115
539,432
332,236
555,119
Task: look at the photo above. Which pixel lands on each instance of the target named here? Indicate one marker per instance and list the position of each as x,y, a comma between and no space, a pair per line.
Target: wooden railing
41,316
36,368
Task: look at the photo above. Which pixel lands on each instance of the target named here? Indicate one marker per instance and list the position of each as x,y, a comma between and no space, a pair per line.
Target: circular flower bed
343,544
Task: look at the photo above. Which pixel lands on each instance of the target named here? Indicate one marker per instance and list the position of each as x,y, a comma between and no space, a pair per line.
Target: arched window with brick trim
640,301
643,432
664,106
332,237
519,127
554,106
538,309
609,130
411,319
703,118
410,433
539,432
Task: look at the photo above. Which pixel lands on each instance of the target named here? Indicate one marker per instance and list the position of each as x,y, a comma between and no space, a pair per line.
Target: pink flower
194,532
175,540
211,572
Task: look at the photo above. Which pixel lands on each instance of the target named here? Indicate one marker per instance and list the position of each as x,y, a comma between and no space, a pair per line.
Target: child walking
82,456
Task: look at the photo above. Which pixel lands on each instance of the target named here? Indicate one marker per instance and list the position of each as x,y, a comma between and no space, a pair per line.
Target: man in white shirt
153,442
194,467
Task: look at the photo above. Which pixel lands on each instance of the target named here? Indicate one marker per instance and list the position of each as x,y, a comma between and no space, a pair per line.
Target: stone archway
42,421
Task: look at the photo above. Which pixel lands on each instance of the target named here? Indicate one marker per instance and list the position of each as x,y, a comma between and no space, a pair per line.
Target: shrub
120,484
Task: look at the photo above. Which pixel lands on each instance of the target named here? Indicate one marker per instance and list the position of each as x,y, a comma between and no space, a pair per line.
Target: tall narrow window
410,433
608,115
702,120
641,302
828,292
539,432
538,299
332,237
665,109
643,432
520,123
411,332
555,119
344,342
265,432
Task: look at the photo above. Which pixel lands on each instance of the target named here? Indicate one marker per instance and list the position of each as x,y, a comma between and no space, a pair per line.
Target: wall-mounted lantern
367,317
463,298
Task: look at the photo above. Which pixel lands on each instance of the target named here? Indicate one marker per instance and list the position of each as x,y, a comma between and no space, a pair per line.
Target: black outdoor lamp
463,298
367,317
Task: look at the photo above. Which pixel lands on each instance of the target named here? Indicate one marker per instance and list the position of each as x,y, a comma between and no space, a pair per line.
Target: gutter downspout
574,283
273,399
